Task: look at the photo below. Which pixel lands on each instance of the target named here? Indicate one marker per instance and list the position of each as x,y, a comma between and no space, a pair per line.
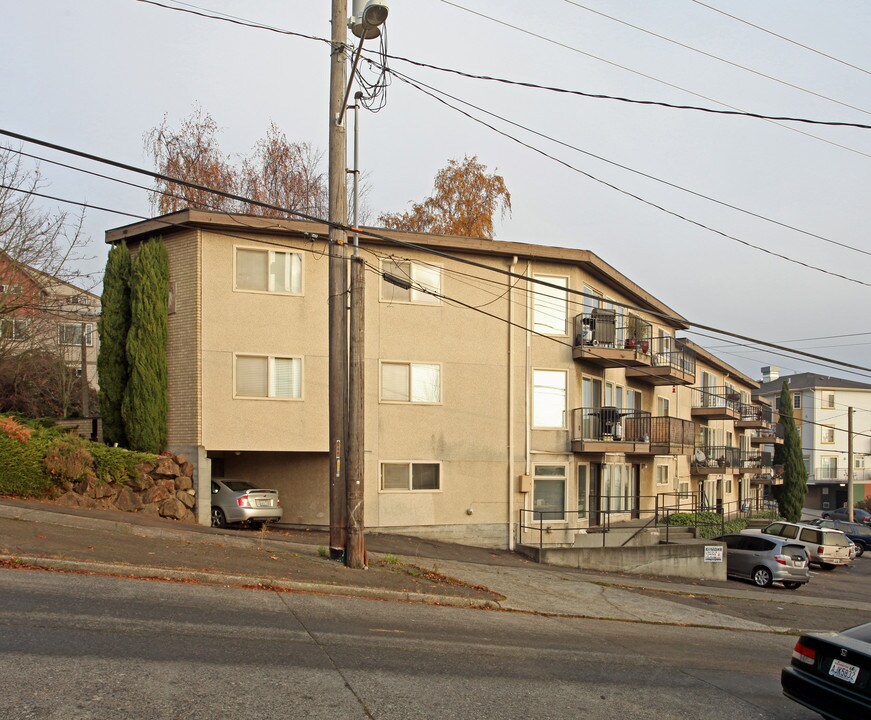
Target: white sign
714,553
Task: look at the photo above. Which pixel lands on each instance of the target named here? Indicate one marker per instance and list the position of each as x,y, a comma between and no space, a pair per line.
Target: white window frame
409,464
550,307
416,274
270,360
827,430
77,327
538,478
827,401
796,401
270,278
411,368
536,418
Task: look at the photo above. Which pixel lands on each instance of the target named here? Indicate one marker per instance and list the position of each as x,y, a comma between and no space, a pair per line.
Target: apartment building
821,407
536,386
43,312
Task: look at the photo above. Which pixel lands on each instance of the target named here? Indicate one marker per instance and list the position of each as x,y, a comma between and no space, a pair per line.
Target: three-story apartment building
821,407
504,382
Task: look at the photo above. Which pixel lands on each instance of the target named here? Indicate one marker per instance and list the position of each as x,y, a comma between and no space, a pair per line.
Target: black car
830,673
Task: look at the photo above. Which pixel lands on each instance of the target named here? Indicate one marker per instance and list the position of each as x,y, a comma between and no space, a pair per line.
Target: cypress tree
145,400
113,326
791,495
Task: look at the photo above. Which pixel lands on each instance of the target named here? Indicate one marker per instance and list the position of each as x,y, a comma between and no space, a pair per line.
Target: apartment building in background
820,405
508,386
38,311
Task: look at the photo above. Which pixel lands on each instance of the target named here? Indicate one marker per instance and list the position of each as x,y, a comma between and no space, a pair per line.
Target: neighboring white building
821,405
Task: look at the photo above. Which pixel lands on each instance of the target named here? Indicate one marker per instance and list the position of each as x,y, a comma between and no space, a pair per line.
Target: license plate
844,671
263,503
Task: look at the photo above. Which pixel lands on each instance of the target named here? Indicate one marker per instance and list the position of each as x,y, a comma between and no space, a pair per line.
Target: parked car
860,534
842,513
238,501
830,673
826,547
766,560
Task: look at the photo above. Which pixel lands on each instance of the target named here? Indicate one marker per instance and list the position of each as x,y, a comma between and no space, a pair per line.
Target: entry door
595,494
635,490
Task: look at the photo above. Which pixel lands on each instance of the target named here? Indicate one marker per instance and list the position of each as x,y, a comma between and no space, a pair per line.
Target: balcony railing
839,475
672,436
716,458
754,416
671,363
611,423
604,328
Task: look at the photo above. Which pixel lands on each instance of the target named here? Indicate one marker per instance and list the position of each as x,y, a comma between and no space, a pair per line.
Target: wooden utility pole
85,388
355,553
338,329
850,464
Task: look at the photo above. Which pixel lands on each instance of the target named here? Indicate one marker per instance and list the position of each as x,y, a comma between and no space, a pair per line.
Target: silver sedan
238,501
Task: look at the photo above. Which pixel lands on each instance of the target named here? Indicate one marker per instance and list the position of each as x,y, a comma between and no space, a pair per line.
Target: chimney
770,372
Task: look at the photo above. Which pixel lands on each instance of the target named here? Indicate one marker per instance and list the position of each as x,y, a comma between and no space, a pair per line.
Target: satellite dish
700,457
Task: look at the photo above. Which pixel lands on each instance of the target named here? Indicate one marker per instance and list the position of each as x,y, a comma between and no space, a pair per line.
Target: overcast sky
95,75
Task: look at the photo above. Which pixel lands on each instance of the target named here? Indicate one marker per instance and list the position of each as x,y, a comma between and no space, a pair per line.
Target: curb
243,581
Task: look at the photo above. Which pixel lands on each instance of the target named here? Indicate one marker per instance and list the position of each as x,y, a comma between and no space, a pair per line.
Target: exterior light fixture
367,17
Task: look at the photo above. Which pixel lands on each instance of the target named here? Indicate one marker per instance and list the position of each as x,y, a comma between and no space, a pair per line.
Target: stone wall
162,488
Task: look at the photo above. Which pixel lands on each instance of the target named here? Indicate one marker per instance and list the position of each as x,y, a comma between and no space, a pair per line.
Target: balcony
672,436
610,430
671,363
839,475
753,417
716,459
716,402
756,462
770,435
609,340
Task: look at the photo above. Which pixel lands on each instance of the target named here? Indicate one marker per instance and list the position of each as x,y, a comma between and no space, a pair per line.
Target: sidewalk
36,534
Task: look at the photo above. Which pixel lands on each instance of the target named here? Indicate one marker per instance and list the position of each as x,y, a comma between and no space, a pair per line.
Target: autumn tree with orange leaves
465,198
278,172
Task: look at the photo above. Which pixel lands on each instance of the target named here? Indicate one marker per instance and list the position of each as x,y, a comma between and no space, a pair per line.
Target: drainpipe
510,282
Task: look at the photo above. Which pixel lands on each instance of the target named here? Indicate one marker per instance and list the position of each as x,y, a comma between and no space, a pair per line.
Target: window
550,305
271,271
662,406
582,491
268,377
71,334
15,329
662,474
828,434
683,489
727,486
424,277
410,476
549,492
829,401
796,400
859,462
411,382
548,398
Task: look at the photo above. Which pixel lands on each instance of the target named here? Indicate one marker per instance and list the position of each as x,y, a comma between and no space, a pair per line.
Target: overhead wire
782,37
435,95
712,56
409,245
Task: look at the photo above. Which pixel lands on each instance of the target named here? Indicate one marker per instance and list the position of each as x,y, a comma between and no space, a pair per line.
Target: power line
421,88
782,37
712,56
414,246
641,173
644,75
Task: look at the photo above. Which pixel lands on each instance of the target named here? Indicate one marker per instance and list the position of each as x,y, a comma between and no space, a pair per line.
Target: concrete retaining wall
678,560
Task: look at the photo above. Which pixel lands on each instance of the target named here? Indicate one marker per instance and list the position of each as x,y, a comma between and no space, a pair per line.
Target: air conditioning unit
605,325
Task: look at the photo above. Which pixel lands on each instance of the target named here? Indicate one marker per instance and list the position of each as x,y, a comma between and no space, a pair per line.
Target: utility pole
850,464
338,333
355,553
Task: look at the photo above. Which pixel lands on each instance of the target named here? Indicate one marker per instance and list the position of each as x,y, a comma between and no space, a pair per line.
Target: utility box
524,483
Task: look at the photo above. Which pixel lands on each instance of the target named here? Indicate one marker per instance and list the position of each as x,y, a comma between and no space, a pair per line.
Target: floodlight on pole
367,18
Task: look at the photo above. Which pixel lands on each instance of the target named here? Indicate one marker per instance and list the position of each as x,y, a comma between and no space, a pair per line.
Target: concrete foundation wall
684,560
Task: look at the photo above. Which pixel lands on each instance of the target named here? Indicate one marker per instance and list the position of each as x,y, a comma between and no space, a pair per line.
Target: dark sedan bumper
831,700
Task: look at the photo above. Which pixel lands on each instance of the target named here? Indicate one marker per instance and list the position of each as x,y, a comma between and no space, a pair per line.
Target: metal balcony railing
839,474
717,456
717,396
611,424
667,352
604,328
750,412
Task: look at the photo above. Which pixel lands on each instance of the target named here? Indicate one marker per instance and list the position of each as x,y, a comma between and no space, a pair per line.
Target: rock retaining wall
163,488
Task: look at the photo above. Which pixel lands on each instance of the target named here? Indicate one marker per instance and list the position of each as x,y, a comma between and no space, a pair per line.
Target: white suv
826,547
